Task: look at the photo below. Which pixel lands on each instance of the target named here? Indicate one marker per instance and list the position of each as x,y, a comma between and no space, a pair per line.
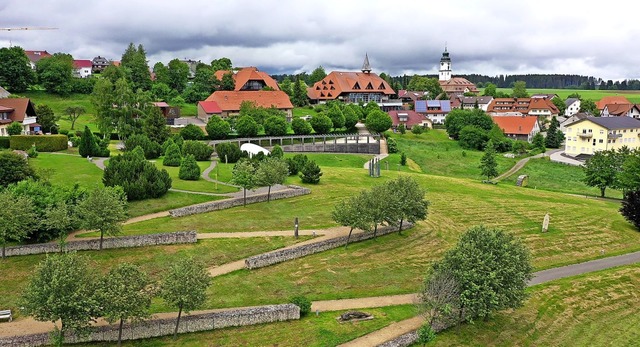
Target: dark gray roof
570,101
613,123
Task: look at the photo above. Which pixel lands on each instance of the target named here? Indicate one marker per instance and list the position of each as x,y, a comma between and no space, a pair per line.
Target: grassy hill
595,95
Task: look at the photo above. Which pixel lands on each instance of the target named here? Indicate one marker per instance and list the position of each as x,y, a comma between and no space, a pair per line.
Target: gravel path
521,163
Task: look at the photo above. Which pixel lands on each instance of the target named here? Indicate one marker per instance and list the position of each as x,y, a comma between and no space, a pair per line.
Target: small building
435,110
168,112
208,109
620,110
35,56
572,106
82,68
98,64
607,100
409,119
518,127
19,110
592,134
230,101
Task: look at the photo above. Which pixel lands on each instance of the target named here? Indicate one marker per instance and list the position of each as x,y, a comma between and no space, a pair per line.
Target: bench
6,314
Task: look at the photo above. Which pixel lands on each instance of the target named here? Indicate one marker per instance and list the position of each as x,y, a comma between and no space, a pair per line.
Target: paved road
560,158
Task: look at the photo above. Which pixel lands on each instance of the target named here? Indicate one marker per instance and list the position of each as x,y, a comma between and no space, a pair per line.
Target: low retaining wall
280,256
293,191
402,341
110,242
163,327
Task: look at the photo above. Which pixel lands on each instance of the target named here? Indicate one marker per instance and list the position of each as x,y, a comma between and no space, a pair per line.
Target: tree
287,86
15,71
104,209
458,119
152,150
74,112
275,126
488,163
55,73
247,127
426,334
439,298
155,126
554,135
590,107
492,269
244,175
178,74
271,171
192,132
134,62
200,150
337,117
406,201
378,121
88,146
630,207
299,93
124,295
301,126
60,217
296,163
184,286
317,75
277,152
16,218
538,142
102,100
227,82
628,174
62,289
520,90
139,178
352,212
15,128
228,152
221,64
559,103
310,172
172,156
162,74
189,169
426,84
218,128
473,137
350,118
14,168
490,90
46,118
417,129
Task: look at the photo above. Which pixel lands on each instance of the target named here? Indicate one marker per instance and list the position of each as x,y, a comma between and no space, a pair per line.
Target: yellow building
592,134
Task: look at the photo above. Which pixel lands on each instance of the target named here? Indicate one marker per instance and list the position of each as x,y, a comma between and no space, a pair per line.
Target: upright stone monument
545,223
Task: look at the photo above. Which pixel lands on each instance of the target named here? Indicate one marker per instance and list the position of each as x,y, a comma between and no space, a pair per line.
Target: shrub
5,142
301,126
310,172
151,149
321,124
172,157
417,130
336,116
378,121
275,126
32,152
139,178
218,128
166,145
350,118
630,208
277,152
87,146
247,127
230,150
402,129
14,128
192,132
403,159
392,145
14,168
178,140
318,108
303,303
296,163
189,169
44,143
201,151
425,334
473,137
64,132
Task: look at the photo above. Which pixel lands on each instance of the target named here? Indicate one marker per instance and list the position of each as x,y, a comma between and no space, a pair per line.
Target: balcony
614,136
586,135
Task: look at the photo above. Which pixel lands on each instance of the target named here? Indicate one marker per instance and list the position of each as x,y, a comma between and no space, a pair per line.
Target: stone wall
275,257
110,242
163,327
402,341
293,191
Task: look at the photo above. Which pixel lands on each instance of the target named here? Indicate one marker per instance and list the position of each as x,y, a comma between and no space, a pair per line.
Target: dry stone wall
275,257
111,242
293,191
163,327
404,340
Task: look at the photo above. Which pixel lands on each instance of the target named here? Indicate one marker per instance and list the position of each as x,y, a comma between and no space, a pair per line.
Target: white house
620,110
82,68
573,106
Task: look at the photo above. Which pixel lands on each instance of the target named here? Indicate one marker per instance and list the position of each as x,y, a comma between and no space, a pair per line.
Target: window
601,131
601,141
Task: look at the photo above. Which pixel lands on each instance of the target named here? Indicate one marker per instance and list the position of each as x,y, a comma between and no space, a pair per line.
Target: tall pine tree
488,163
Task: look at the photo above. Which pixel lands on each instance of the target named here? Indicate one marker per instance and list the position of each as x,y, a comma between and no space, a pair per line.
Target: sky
489,37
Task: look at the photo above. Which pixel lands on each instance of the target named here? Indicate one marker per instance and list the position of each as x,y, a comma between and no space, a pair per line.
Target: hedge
4,141
44,143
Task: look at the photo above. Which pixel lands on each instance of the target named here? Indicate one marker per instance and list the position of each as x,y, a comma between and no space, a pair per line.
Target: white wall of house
82,72
572,109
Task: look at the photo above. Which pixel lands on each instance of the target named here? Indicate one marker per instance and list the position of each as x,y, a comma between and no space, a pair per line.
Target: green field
201,185
58,104
595,95
68,170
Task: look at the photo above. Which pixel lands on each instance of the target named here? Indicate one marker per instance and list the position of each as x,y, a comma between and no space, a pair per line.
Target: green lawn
304,111
436,154
312,331
597,309
595,95
67,170
196,186
58,104
213,252
545,174
168,201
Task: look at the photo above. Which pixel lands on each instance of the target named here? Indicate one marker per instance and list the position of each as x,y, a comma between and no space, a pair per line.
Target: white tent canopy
253,149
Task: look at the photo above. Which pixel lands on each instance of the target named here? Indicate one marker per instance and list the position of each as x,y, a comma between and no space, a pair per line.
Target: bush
318,108
336,116
178,140
192,132
378,121
277,152
166,145
350,118
303,303
417,130
275,126
172,157
139,178
201,151
392,145
403,159
14,168
151,149
44,143
321,124
32,152
5,142
64,132
310,172
473,137
402,129
247,127
14,128
425,334
189,169
229,152
218,128
296,163
301,126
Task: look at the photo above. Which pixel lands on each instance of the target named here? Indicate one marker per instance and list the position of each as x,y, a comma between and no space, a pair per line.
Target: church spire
366,68
445,65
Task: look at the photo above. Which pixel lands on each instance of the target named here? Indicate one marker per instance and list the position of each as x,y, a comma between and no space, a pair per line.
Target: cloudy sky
488,37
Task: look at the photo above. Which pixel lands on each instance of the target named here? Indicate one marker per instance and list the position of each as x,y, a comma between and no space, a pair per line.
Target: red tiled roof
231,100
246,74
519,125
210,107
34,56
543,104
337,82
458,85
619,109
413,118
5,109
611,100
79,64
22,108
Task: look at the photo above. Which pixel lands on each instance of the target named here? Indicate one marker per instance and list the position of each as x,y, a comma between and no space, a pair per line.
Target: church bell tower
445,66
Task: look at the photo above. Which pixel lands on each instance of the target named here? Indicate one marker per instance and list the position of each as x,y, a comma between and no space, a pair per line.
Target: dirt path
387,333
522,162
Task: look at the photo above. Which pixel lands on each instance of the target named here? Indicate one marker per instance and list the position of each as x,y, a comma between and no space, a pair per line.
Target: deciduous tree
55,73
406,201
337,117
46,118
244,175
378,121
178,73
218,128
247,127
519,90
15,71
352,212
271,171
14,168
317,75
17,218
104,209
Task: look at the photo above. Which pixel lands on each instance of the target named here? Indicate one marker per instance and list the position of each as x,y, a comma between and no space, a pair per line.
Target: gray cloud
491,37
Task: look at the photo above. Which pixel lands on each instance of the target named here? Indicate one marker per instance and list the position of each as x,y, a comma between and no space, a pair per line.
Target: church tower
445,66
366,68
